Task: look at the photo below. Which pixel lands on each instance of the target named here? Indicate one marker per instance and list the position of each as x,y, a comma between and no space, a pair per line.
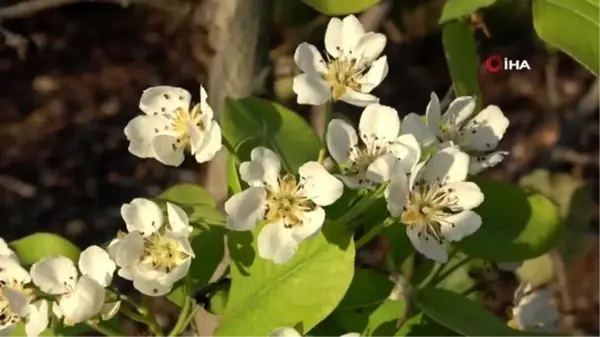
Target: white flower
80,298
291,332
154,255
15,306
436,203
292,209
6,251
351,69
477,135
372,162
169,128
534,310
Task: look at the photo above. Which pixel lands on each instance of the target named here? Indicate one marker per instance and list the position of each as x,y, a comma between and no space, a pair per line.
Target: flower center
7,317
361,157
451,132
286,202
163,253
179,123
427,208
343,74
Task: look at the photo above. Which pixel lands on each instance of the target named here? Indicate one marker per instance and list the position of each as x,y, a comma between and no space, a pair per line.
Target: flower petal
112,248
178,219
54,275
433,114
483,132
164,100
351,334
467,195
37,319
207,111
358,98
446,166
311,224
309,59
95,263
353,182
142,215
478,164
246,209
333,37
129,250
82,304
6,251
459,110
457,226
369,46
320,186
18,302
196,136
536,312
352,31
12,271
340,136
426,244
264,167
177,273
140,131
276,243
381,169
379,123
413,124
396,194
377,72
151,287
408,151
312,90
285,332
211,144
109,310
167,150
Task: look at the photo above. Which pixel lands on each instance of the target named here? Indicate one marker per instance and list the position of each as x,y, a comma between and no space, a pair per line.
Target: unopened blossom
17,303
171,127
292,208
370,159
534,310
478,134
79,297
351,69
435,202
155,253
291,332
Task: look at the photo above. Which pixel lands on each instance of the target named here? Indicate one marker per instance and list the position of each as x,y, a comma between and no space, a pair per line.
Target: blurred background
71,74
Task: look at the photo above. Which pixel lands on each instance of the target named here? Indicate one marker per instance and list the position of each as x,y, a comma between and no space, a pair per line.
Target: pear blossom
293,209
79,297
477,134
534,310
169,128
17,302
291,332
351,68
371,160
435,203
154,254
6,251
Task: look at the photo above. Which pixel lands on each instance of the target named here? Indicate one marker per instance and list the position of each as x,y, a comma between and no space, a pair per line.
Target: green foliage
456,9
197,202
572,26
35,247
20,331
302,292
517,225
340,7
419,324
462,59
218,301
374,320
251,122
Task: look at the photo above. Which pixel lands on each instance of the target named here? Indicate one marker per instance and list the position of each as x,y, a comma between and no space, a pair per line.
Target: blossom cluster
419,163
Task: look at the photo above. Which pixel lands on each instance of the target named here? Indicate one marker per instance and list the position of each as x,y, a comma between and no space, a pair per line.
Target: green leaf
456,9
340,7
35,247
234,183
461,314
249,122
537,272
375,320
460,49
368,287
572,26
302,292
218,301
517,225
419,324
20,331
197,202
